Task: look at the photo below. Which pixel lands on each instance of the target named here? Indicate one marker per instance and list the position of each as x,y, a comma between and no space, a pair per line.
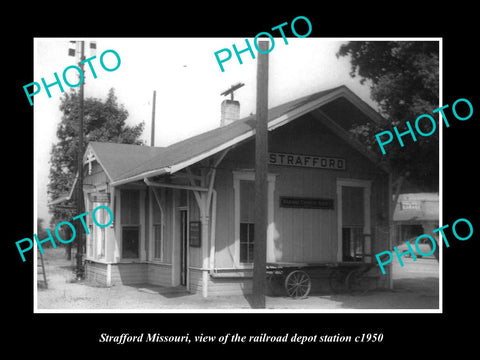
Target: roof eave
330,123
371,113
273,124
151,173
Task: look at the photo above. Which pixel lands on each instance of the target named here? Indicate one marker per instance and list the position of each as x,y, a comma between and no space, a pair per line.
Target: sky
187,79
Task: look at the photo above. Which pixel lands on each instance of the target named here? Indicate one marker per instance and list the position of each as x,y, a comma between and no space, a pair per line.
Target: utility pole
261,173
152,141
80,205
79,271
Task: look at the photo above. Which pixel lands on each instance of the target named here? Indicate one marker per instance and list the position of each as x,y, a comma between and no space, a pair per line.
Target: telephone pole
152,140
261,171
80,206
79,190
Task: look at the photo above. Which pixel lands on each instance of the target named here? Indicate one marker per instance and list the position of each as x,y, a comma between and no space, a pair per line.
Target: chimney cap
232,89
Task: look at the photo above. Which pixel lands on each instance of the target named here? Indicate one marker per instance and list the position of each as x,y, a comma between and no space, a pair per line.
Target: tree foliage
404,80
103,121
41,231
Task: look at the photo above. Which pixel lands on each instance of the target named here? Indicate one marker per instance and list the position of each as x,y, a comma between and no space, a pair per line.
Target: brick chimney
230,110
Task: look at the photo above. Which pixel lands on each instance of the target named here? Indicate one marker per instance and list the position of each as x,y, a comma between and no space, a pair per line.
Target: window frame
93,249
354,243
247,243
99,245
141,225
153,194
366,185
250,176
130,226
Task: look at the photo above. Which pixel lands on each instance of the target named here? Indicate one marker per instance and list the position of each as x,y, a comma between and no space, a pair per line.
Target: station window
354,220
130,220
247,237
353,243
158,241
247,220
96,239
130,236
99,232
245,232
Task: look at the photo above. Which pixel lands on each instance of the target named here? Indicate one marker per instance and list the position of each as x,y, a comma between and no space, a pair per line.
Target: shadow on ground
166,292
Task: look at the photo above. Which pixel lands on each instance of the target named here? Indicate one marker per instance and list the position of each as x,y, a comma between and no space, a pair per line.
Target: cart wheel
354,282
298,284
337,281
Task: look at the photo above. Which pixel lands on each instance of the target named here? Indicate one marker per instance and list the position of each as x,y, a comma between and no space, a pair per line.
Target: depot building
184,214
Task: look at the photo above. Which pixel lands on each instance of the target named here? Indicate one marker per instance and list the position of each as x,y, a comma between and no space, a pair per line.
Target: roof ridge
126,144
252,116
197,147
236,123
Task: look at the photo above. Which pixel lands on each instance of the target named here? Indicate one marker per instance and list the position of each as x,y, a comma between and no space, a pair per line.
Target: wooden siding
195,253
96,272
220,286
97,175
159,274
300,234
305,234
168,231
229,286
195,279
129,273
225,220
165,197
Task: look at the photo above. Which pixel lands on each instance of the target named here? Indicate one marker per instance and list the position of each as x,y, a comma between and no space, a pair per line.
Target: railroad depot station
183,214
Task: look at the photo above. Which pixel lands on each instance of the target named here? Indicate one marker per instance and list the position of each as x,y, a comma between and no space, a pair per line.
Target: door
354,238
183,246
353,223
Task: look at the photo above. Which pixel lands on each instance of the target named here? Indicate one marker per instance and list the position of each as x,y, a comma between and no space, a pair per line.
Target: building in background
415,214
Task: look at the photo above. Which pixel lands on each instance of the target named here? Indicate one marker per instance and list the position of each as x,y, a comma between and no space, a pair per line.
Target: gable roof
127,163
117,159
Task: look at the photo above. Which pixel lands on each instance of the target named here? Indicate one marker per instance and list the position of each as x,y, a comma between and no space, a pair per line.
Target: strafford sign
309,161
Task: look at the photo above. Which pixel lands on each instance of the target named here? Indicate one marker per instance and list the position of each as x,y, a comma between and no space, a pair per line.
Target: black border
409,333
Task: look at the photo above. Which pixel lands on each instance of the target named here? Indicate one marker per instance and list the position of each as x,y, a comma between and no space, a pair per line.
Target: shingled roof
117,159
127,163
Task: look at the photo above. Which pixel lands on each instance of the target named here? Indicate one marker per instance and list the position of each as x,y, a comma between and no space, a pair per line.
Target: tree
403,79
103,121
42,232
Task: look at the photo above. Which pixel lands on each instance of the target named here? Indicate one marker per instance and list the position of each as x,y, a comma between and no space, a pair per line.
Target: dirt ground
416,286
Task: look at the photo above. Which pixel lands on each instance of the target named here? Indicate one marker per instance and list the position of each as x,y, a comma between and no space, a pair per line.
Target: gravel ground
416,287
